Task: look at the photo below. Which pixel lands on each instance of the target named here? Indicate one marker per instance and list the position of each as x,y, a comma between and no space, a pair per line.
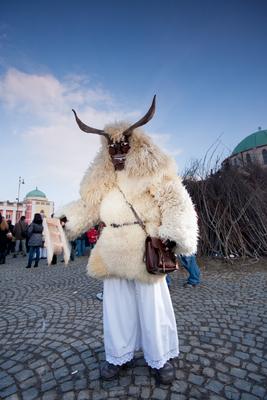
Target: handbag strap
140,222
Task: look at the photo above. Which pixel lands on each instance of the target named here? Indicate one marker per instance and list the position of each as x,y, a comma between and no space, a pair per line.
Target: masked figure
137,309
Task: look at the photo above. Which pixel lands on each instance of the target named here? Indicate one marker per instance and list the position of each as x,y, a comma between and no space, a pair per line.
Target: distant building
251,150
12,210
34,202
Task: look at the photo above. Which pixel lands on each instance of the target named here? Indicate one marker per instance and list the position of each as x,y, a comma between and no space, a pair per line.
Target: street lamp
21,182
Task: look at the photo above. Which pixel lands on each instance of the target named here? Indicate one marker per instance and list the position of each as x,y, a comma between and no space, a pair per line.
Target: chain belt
125,224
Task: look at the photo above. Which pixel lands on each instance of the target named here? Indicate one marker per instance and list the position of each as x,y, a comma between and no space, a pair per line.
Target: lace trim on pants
157,364
120,360
152,363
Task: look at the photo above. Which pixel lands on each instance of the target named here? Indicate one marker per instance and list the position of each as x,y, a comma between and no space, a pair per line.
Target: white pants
138,316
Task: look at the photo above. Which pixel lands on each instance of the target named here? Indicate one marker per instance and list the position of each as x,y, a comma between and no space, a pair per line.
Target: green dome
36,193
256,139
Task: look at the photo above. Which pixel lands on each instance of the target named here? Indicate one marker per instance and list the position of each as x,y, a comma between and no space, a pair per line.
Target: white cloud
54,151
46,96
164,142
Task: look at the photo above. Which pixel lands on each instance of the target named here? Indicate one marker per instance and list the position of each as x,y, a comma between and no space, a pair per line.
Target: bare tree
232,207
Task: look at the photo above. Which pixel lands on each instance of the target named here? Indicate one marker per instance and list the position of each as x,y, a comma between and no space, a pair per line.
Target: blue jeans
34,250
80,247
190,264
168,280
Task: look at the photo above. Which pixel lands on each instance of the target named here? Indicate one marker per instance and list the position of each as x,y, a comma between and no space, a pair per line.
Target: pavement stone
239,373
51,336
11,390
13,397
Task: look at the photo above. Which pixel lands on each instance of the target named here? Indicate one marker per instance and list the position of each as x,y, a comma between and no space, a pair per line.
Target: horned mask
119,149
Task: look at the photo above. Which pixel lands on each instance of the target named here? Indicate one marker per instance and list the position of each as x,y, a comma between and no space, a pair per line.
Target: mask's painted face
118,151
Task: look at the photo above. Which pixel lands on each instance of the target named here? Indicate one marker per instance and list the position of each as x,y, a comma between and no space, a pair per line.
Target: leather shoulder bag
158,257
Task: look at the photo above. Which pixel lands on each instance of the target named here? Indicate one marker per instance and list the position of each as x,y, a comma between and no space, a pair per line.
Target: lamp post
21,182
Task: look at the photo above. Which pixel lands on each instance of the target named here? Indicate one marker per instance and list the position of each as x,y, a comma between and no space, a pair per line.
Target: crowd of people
21,238
24,239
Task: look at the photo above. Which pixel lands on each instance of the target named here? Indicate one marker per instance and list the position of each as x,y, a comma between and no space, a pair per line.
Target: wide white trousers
139,316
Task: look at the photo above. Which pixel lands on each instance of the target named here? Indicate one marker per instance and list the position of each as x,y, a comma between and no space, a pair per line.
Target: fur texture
149,182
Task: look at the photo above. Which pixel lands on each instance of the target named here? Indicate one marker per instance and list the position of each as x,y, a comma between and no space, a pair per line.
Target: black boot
165,375
28,266
35,265
109,371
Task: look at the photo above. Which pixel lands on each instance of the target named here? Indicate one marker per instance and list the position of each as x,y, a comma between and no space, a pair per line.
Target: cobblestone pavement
51,341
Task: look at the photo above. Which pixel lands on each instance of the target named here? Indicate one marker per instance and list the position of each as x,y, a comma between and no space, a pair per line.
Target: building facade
34,202
12,210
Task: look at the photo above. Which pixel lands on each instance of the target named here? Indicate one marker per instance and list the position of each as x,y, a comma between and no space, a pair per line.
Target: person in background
35,234
5,236
20,233
92,235
43,252
191,265
11,242
54,259
72,243
72,250
63,221
80,245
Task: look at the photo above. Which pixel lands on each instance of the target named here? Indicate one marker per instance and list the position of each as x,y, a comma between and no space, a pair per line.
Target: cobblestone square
51,339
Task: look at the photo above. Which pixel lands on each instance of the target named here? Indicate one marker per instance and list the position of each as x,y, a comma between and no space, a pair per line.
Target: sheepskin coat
150,183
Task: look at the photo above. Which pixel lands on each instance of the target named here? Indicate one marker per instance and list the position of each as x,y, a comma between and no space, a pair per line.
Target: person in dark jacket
20,233
11,242
4,238
35,231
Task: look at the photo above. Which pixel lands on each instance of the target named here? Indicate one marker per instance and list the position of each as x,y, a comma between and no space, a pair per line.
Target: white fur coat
150,183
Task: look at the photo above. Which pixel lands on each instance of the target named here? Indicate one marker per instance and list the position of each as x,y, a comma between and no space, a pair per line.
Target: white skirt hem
157,364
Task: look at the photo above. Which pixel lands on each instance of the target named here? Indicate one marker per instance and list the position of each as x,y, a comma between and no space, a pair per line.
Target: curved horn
89,129
143,120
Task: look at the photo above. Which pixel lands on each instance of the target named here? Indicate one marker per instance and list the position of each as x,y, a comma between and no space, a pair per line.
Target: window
264,156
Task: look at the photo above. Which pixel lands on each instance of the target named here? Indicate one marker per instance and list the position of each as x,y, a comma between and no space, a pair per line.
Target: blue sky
205,60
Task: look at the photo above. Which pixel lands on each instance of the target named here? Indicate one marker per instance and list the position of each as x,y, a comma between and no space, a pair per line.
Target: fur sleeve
178,216
80,218
96,182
